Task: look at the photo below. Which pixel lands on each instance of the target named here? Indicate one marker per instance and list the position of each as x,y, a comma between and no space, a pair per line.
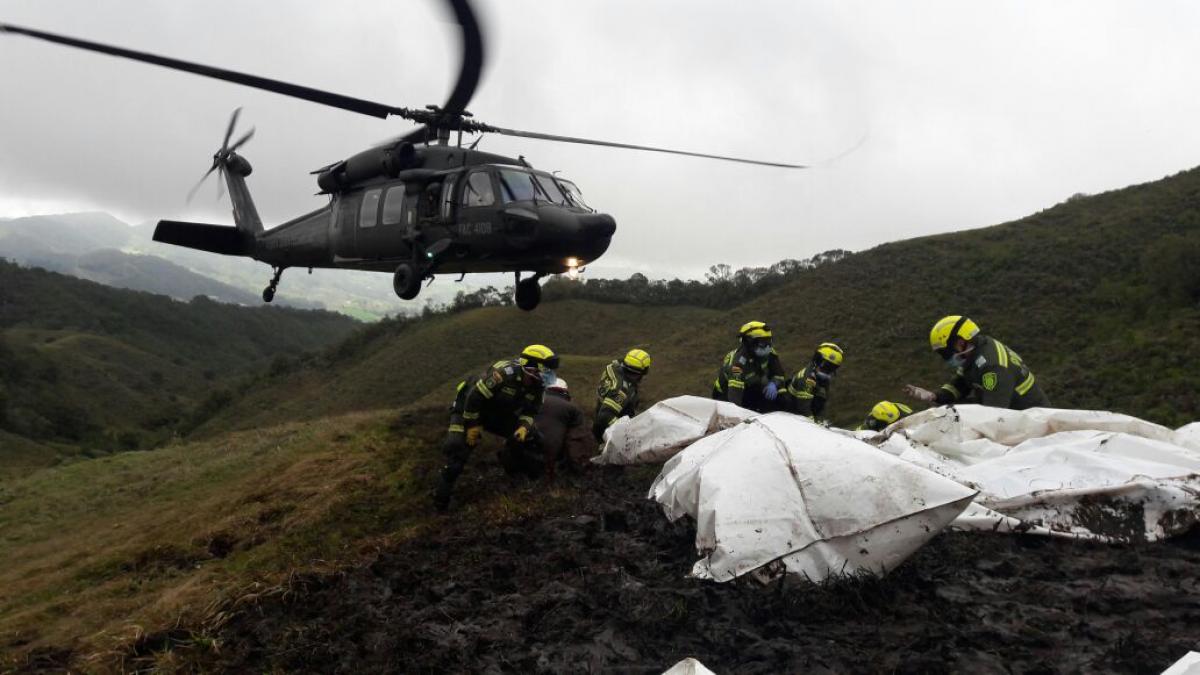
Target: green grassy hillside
103,369
1098,294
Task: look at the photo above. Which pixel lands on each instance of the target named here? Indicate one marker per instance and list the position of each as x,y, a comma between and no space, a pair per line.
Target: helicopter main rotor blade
350,103
629,146
471,68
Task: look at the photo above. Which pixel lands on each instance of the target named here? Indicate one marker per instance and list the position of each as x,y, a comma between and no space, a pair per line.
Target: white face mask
762,352
549,377
958,360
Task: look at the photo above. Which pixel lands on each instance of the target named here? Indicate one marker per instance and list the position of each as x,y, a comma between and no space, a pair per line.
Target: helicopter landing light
572,268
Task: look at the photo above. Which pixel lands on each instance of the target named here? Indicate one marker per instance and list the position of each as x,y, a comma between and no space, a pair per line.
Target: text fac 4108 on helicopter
414,206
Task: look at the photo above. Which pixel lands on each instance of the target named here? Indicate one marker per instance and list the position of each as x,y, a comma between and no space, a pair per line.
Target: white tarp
666,428
1074,472
781,490
688,666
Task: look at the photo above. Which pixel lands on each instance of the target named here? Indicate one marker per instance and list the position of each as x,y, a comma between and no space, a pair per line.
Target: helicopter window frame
508,194
448,196
469,187
574,194
371,197
392,212
544,180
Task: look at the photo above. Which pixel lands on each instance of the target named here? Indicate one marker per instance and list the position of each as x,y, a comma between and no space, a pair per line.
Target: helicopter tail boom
205,237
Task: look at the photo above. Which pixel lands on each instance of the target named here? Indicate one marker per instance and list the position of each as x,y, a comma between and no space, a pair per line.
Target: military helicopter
414,206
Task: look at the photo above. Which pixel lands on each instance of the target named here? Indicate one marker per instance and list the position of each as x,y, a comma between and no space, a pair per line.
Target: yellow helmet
754,329
888,412
539,356
949,327
637,360
829,352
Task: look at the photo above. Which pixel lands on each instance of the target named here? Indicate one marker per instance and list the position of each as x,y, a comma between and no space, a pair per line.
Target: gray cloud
974,113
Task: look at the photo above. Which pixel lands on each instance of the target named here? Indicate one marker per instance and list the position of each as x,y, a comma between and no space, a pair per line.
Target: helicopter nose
597,225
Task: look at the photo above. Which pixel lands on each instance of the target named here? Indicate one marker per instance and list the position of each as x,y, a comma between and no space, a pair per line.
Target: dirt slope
600,587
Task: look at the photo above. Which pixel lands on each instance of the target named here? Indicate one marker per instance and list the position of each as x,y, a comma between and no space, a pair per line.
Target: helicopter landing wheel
269,292
406,281
529,294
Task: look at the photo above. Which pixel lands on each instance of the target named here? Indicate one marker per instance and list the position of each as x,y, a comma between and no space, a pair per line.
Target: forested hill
1099,294
87,365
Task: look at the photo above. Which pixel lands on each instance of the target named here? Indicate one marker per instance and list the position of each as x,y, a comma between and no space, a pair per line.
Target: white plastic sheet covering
688,666
779,490
666,428
1070,472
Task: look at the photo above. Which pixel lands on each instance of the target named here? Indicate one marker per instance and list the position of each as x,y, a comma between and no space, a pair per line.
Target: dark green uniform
616,397
995,376
743,377
807,394
501,401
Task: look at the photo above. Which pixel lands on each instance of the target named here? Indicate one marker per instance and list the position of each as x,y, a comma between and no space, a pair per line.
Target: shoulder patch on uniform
497,377
989,381
810,382
737,370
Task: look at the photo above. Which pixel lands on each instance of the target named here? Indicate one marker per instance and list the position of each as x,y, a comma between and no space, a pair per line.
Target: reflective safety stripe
1025,386
526,420
608,402
737,384
482,389
612,421
800,394
470,415
952,389
717,384
460,386
457,428
1002,354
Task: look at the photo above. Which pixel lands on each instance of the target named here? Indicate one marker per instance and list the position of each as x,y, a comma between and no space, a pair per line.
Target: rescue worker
565,440
808,391
751,375
883,415
617,393
503,400
985,371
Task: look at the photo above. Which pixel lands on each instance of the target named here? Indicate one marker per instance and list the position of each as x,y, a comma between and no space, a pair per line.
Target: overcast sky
973,113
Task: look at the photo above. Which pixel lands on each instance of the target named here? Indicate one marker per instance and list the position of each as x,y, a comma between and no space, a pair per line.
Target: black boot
445,486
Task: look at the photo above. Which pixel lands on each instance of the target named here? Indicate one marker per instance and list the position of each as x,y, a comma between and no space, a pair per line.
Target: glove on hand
919,393
771,390
521,434
473,435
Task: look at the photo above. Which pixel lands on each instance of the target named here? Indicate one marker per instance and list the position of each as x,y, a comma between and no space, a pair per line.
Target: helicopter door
366,239
478,217
345,222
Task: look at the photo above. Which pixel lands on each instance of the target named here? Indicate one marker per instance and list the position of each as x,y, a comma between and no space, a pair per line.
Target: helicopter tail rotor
226,158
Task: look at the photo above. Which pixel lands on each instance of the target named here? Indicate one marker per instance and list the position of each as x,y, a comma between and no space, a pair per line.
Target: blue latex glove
771,390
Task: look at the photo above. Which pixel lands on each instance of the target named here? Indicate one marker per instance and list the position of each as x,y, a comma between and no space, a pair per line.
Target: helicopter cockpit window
478,190
550,189
370,209
393,205
518,186
574,193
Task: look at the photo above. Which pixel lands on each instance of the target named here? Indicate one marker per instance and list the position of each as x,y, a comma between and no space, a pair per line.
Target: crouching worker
504,401
883,415
808,392
617,394
751,376
985,370
563,438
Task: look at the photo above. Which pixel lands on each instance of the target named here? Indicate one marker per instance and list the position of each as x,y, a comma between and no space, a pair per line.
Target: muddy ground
603,589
